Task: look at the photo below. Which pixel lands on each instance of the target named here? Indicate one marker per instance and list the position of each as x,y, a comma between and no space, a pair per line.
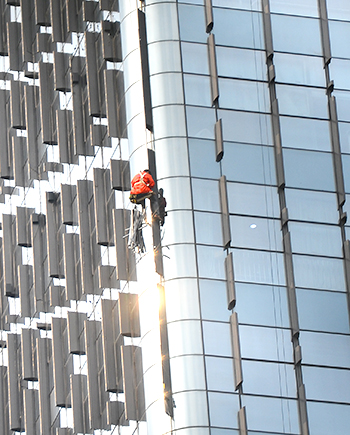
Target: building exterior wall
235,320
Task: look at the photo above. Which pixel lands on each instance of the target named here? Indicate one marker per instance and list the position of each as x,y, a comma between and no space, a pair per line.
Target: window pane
249,232
339,34
304,70
166,89
259,266
254,5
302,101
295,7
183,264
195,58
244,95
187,373
334,385
213,346
307,205
238,28
296,34
203,221
249,163
325,349
265,343
205,195
211,262
223,409
308,169
202,158
165,56
344,133
172,152
249,199
220,374
200,122
185,337
213,299
161,22
343,105
318,272
316,239
321,424
305,133
262,305
269,414
338,9
322,311
178,290
192,23
339,71
240,63
268,379
191,409
197,90
246,127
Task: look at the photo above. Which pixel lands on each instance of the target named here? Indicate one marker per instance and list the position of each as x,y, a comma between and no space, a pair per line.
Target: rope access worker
141,187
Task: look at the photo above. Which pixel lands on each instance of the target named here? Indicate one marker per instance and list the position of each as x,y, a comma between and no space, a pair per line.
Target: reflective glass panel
322,311
344,133
192,23
200,122
339,69
249,199
265,343
254,5
296,34
161,22
183,264
187,373
318,272
249,163
259,267
346,169
220,374
166,89
303,70
241,63
302,101
262,305
202,158
213,299
206,195
172,152
244,95
325,349
248,232
343,105
191,409
213,346
185,338
246,127
321,424
334,385
170,121
308,169
270,414
314,239
205,221
238,28
268,379
295,7
308,205
338,9
177,291
339,34
177,191
210,262
197,90
223,409
305,133
165,56
195,58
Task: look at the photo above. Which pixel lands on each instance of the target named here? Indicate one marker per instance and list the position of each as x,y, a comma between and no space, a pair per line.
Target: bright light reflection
252,226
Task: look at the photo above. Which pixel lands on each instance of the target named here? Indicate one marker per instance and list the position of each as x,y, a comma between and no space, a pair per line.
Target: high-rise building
232,318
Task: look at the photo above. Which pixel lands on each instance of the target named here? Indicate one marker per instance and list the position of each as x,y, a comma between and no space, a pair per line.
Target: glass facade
235,318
